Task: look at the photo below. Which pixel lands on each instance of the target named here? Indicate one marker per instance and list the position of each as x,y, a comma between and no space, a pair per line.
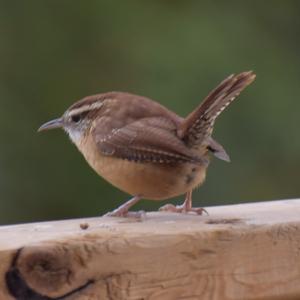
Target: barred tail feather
198,126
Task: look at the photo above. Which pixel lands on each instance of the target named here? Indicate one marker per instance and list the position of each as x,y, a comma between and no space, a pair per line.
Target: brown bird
143,148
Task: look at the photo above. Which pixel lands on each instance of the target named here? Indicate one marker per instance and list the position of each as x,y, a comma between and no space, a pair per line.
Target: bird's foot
183,209
126,214
123,210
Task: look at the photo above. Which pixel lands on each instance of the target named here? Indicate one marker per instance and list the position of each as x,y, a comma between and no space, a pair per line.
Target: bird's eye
75,118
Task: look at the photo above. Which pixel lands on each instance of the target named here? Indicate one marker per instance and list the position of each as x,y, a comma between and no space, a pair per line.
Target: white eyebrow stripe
84,108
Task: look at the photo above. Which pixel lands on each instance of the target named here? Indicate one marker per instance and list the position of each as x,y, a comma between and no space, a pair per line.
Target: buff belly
151,181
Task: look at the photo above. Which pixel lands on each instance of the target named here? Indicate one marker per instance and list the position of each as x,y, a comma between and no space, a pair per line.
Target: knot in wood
45,269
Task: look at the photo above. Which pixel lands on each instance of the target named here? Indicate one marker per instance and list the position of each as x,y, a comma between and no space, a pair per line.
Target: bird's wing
146,140
198,126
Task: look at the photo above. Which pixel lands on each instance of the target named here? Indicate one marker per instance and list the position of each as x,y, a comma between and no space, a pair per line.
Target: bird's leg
122,210
185,207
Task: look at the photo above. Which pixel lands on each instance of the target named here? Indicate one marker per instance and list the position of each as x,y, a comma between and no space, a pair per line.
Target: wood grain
246,251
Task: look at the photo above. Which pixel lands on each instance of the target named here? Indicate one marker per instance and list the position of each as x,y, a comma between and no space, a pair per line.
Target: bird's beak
56,123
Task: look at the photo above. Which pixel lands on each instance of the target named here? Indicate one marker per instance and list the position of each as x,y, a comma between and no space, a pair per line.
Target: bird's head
77,119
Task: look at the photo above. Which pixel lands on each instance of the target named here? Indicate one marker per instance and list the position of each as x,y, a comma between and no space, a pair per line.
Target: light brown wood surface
246,251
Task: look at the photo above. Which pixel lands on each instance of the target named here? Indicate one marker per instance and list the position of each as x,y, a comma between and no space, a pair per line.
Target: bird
146,150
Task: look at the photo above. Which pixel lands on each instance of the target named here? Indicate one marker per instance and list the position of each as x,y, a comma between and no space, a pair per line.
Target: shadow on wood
246,251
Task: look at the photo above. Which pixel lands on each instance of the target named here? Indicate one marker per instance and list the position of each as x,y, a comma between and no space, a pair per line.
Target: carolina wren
143,148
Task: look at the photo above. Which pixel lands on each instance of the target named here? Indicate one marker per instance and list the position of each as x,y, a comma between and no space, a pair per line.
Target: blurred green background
55,52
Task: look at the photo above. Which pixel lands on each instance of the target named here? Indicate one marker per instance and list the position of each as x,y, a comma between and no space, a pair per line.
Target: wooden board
246,251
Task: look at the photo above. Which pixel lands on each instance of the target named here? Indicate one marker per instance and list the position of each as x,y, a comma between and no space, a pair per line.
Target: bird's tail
198,125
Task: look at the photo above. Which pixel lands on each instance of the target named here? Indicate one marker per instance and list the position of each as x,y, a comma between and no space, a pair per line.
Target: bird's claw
126,214
183,209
